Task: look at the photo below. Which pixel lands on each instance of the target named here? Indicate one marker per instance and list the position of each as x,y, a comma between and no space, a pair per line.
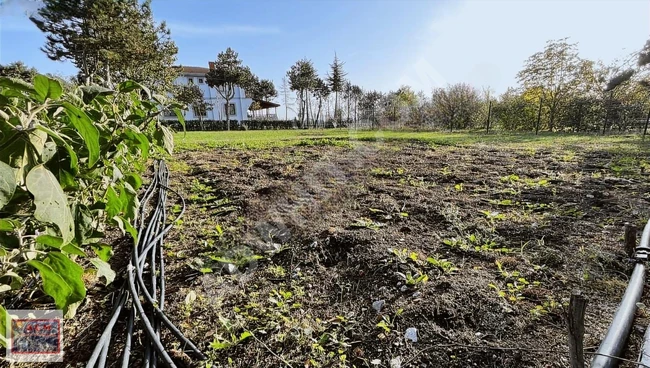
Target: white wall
242,103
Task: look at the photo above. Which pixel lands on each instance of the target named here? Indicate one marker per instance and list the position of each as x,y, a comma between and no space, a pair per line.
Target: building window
198,112
190,80
200,80
230,109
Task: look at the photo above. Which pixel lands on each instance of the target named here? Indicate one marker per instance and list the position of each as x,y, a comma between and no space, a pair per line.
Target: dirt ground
325,254
477,248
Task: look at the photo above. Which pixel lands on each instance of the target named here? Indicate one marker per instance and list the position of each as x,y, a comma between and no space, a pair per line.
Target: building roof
194,70
265,104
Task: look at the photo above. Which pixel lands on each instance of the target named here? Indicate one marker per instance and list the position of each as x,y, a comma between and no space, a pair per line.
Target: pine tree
108,40
227,74
18,70
336,79
302,79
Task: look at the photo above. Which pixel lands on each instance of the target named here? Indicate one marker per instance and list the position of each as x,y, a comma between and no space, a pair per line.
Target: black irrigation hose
614,341
146,258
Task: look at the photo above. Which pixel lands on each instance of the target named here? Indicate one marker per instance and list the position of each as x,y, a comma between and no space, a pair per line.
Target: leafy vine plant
70,166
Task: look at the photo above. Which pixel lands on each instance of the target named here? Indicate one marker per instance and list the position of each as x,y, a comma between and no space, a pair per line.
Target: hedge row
195,125
213,125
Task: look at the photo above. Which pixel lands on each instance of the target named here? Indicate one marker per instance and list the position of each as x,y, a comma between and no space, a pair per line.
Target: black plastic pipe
614,342
148,247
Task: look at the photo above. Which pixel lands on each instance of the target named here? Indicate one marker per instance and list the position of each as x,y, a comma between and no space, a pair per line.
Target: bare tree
456,106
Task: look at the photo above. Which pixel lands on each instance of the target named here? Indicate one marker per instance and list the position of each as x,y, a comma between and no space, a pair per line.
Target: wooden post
539,116
487,126
630,239
645,128
576,326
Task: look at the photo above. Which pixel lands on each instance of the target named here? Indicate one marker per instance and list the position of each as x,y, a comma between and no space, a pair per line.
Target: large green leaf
135,180
15,85
70,272
47,88
113,203
51,203
62,142
7,183
180,117
3,326
53,284
16,154
50,241
8,224
129,198
129,86
165,138
103,251
126,227
91,92
103,269
86,129
73,249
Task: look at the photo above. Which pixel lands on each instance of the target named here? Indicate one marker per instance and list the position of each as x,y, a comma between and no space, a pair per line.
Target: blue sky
383,43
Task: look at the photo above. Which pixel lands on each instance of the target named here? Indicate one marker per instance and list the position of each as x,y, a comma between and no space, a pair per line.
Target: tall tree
555,72
456,106
369,104
336,79
302,79
229,73
356,94
322,92
284,93
192,96
108,40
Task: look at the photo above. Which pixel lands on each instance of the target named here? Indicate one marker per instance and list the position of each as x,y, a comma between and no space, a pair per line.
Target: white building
239,104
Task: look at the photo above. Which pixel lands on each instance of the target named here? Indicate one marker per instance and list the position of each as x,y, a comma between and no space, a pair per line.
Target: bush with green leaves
70,166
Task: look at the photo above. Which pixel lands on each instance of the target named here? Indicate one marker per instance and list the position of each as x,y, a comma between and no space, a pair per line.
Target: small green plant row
474,242
70,165
528,182
516,284
274,317
386,173
526,205
405,256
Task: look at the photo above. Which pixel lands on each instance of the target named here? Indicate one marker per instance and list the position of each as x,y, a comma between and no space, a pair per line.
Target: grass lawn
345,137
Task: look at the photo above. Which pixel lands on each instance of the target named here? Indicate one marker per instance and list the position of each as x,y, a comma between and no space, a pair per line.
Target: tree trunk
320,105
201,120
336,103
307,107
487,125
348,108
539,116
645,128
227,109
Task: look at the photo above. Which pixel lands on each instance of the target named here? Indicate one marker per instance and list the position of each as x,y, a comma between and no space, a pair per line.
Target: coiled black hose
146,259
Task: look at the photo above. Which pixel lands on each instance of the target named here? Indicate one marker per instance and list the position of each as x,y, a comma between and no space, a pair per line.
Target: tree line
110,41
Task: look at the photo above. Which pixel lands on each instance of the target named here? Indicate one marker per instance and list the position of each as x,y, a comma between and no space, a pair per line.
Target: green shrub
70,165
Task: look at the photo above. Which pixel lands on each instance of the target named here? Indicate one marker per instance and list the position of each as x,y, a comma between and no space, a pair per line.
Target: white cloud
485,43
181,29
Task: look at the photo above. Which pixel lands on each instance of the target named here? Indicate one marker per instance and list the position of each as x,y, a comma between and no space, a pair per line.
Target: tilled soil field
394,254
324,256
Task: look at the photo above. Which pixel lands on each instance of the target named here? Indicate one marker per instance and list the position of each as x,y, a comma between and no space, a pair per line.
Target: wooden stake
539,116
630,239
576,326
487,125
